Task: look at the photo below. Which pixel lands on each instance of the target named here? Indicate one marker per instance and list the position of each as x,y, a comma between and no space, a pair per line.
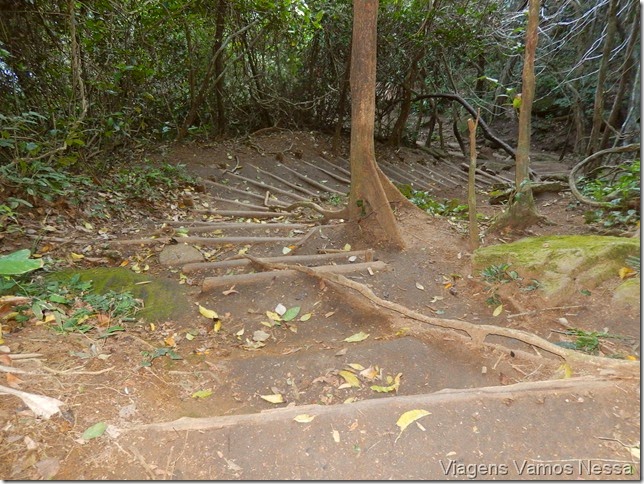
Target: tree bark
77,71
598,110
342,103
221,124
368,198
626,75
522,211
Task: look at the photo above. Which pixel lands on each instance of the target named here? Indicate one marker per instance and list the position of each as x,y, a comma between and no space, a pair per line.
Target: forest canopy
79,79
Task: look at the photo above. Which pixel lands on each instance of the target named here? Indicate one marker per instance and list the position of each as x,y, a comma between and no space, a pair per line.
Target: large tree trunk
368,197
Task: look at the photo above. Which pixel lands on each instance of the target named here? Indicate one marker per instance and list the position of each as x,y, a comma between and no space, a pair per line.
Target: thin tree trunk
220,121
626,74
527,97
522,211
598,110
77,67
342,103
395,138
471,186
258,87
200,98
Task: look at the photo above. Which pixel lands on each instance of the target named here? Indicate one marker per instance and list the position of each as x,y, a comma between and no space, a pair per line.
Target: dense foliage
79,79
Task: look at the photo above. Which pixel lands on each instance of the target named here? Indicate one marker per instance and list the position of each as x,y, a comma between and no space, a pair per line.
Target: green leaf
94,431
19,263
202,393
291,313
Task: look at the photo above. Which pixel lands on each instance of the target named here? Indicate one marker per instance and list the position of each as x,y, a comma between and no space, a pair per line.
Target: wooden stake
471,185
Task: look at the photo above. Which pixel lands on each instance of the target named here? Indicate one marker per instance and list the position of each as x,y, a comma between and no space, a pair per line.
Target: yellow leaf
169,341
635,451
50,318
361,336
356,366
275,398
336,436
76,256
190,336
202,393
350,378
306,317
408,418
567,370
153,327
625,272
347,247
498,310
273,316
631,358
304,418
393,387
207,313
217,327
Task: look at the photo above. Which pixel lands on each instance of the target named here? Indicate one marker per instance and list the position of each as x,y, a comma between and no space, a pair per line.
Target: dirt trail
507,409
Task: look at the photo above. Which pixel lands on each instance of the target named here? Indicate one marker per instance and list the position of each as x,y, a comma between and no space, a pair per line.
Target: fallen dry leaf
409,417
275,398
230,291
304,418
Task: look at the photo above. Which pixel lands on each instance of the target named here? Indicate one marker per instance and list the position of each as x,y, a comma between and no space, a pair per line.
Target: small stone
179,254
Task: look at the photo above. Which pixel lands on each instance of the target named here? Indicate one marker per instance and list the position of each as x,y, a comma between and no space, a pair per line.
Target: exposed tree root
571,178
440,398
477,333
326,214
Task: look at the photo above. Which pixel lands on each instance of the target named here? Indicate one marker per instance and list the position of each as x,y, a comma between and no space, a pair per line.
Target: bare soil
508,406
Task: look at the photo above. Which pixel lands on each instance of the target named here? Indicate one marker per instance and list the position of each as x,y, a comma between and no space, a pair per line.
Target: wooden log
367,255
414,179
270,188
287,183
212,283
243,213
495,178
209,241
336,177
237,202
313,183
335,166
243,192
191,226
243,226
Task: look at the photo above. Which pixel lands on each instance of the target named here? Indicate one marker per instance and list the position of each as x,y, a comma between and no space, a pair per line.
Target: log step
212,283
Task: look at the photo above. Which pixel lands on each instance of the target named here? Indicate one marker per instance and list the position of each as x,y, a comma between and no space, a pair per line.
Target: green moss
563,264
628,293
163,299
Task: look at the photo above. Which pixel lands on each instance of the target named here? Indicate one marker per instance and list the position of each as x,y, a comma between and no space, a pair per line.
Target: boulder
564,265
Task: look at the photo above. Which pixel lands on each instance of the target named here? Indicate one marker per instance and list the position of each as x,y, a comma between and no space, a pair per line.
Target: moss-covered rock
562,264
164,299
628,293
